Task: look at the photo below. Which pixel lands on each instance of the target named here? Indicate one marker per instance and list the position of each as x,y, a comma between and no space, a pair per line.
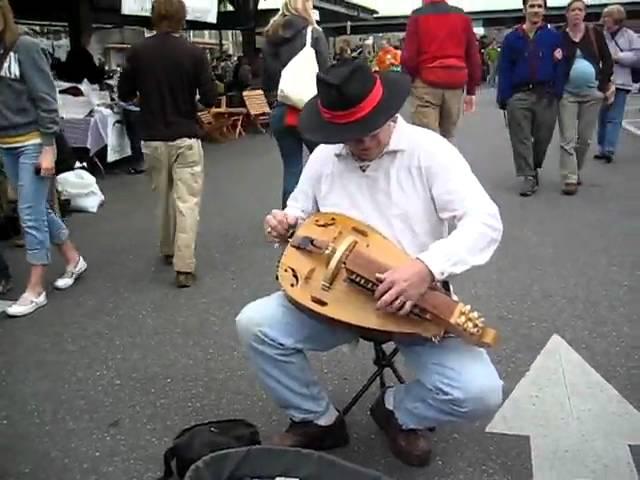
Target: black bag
198,441
65,159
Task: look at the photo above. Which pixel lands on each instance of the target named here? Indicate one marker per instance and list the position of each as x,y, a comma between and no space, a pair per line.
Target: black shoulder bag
198,441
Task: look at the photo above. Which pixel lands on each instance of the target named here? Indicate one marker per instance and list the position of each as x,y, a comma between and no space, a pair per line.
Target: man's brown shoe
184,279
311,436
409,446
570,188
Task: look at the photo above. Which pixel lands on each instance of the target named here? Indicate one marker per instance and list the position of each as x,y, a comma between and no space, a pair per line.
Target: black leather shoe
311,436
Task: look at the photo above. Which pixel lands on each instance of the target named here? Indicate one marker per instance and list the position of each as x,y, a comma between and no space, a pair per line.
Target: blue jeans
610,123
40,225
454,381
291,146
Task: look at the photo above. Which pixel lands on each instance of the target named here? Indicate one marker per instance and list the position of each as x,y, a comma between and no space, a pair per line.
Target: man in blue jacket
530,85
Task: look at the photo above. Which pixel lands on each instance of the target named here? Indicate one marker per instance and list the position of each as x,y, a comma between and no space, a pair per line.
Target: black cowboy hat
352,102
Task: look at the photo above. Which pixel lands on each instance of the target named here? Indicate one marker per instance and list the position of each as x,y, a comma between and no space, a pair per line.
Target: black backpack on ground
198,441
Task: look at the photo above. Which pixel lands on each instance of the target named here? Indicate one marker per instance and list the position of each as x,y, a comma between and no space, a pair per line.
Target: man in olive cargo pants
531,117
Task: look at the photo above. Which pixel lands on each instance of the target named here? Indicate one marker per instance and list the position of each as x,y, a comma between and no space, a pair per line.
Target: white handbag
298,78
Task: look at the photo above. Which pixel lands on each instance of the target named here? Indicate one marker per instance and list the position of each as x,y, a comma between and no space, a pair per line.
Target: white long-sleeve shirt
409,194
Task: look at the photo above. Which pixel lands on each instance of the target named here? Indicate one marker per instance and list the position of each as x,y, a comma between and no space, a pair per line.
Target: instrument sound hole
295,279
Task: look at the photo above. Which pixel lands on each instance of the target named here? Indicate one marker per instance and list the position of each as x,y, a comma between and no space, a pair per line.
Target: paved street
94,386
632,114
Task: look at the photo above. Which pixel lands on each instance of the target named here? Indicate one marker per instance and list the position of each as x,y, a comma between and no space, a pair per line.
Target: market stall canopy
232,14
487,13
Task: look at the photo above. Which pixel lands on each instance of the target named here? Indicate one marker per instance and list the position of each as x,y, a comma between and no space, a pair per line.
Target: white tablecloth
107,128
104,128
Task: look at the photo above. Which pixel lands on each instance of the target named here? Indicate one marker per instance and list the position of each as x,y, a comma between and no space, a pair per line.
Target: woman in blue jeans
624,46
290,144
285,36
28,123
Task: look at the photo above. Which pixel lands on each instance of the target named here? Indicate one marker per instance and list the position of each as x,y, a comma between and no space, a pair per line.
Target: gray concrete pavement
632,114
95,385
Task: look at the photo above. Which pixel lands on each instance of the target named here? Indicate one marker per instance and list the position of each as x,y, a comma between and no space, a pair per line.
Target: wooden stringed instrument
330,267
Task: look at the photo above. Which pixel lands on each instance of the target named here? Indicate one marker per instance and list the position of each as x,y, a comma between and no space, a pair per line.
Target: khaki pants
177,172
577,121
437,109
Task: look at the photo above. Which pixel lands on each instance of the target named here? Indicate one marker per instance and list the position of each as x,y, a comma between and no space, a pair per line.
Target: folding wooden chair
230,118
215,128
258,107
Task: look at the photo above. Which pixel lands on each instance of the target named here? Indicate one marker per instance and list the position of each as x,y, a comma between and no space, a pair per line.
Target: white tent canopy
404,7
198,10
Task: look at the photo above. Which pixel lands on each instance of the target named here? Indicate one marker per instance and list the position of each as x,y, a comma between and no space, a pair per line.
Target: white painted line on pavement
579,426
632,125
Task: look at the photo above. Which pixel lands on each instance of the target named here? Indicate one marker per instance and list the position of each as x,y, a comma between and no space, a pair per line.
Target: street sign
579,426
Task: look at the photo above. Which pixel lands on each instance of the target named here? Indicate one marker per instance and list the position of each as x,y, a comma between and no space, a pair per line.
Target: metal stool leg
397,373
361,392
386,361
382,360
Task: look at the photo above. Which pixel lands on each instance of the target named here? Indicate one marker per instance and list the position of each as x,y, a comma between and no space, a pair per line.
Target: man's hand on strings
277,226
401,287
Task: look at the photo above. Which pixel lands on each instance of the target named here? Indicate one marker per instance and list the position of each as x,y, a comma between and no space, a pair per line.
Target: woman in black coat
285,37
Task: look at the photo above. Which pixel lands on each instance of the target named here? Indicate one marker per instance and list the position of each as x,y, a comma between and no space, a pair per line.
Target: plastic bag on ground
81,188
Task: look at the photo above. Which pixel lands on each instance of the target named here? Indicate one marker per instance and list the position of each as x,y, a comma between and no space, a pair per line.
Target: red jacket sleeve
410,50
474,63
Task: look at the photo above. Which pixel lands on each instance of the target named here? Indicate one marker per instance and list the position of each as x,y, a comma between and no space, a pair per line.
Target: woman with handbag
588,68
290,32
29,122
624,46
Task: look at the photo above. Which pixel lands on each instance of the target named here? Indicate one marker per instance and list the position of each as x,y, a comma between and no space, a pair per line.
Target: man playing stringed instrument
408,183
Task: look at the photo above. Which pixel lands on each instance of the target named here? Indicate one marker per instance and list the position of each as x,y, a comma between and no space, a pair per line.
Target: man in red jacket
441,54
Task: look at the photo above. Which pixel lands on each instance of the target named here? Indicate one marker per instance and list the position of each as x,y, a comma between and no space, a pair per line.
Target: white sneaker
71,275
27,304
